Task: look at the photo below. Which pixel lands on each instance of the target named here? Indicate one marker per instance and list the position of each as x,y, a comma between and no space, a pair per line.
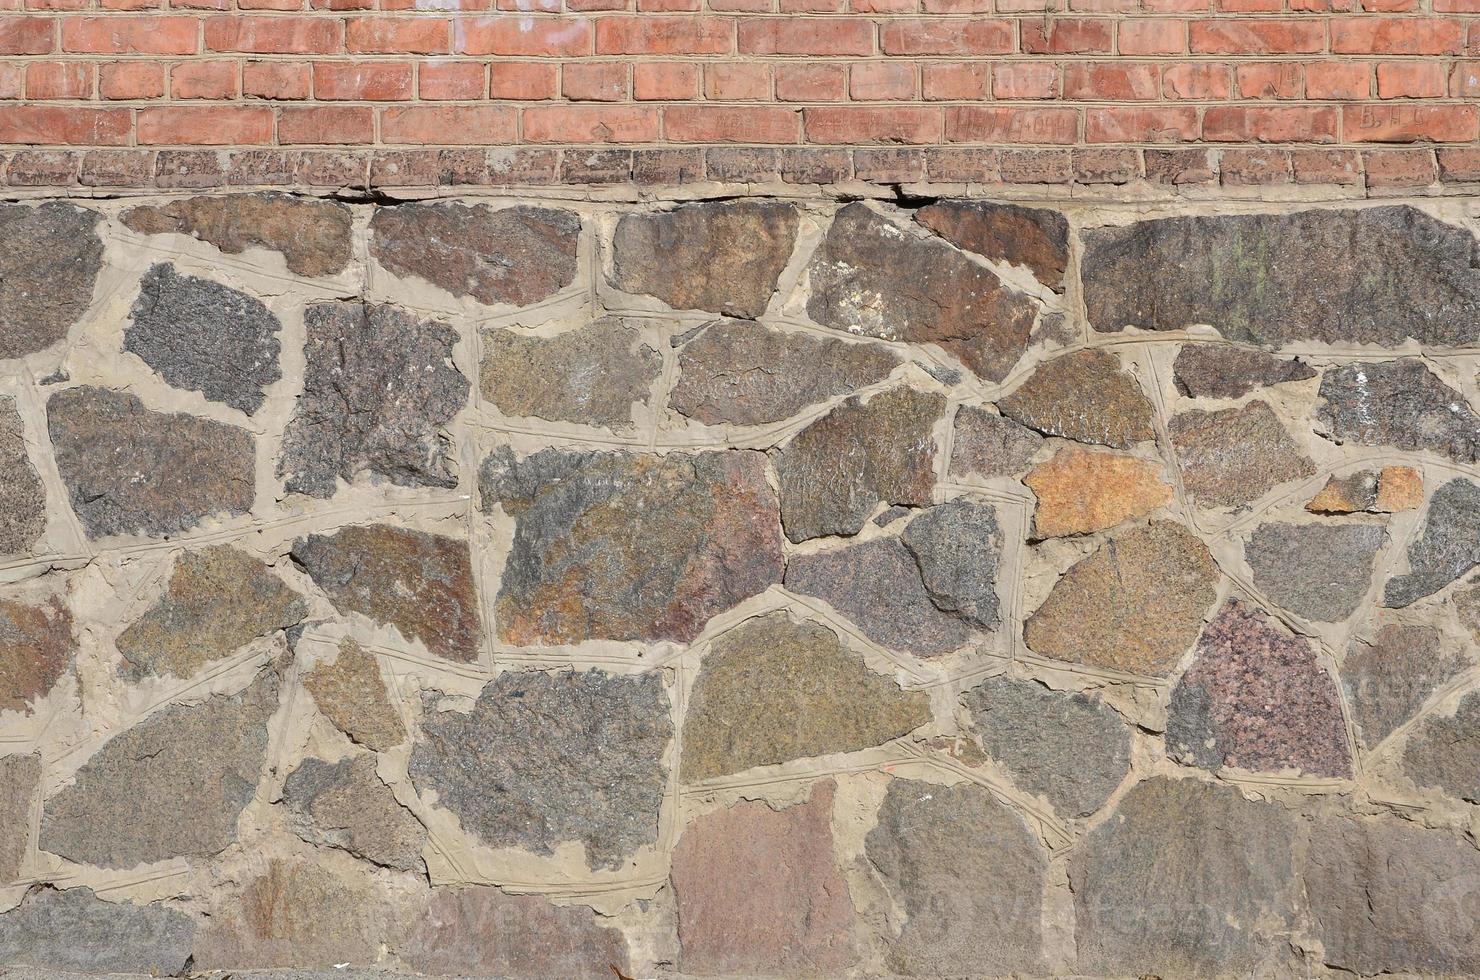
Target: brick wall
121,92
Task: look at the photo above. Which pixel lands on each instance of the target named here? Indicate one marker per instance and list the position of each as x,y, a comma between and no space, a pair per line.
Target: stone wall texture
558,587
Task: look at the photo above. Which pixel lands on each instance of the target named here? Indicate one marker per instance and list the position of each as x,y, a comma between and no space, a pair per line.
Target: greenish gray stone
1086,396
1236,455
76,930
1318,571
1399,404
49,267
22,496
1447,547
591,375
1445,752
958,546
345,805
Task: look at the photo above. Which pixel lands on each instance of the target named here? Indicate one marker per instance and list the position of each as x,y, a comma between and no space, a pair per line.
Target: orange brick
72,125
955,80
737,82
529,81
339,125
204,125
1111,82
948,37
1411,80
811,83
664,81
205,80
1407,35
591,124
397,35
451,80
1137,124
362,81
447,125
1256,37
664,35
1338,80
601,81
1389,123
275,80
1196,80
1269,80
1270,124
58,80
843,125
1067,36
129,35
1464,80
1139,38
806,36
274,35
521,37
1011,124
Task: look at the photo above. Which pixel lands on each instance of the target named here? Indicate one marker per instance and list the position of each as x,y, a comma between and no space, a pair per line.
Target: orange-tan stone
1080,491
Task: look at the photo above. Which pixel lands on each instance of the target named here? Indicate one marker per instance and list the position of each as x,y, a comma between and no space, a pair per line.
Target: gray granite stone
1234,456
987,445
1318,571
1398,404
22,496
1388,679
313,236
345,805
47,273
1444,752
20,780
1446,548
1085,396
1216,371
958,546
76,930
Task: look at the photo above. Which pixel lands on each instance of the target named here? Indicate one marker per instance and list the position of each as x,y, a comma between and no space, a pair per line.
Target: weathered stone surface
36,649
1467,605
1393,489
76,930
480,931
130,470
720,256
1399,488
1069,748
1236,455
772,690
202,336
1373,275
735,372
312,235
1318,571
47,273
1034,237
171,786
1214,371
1256,698
759,891
1085,396
351,694
630,547
877,585
1188,879
969,876
1445,752
958,546
345,805
591,375
517,255
420,583
22,497
1135,604
1390,678
297,914
1389,896
549,757
987,445
379,386
1401,404
838,469
1080,491
871,277
20,778
1448,547
218,600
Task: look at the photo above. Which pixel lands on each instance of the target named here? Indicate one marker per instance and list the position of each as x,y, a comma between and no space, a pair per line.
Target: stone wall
757,586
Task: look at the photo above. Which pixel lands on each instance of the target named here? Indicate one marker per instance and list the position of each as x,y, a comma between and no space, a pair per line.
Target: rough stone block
312,236
50,265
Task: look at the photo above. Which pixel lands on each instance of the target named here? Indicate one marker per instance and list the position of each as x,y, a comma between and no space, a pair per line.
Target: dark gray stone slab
1400,404
22,496
76,930
1214,371
958,546
48,270
1446,548
1318,571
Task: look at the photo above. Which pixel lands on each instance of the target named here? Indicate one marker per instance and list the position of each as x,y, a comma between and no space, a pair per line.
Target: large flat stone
1034,237
1444,752
171,786
1085,396
1448,546
592,375
1388,679
76,930
720,256
735,372
313,236
47,273
1370,275
1069,748
958,546
872,277
1256,698
1134,604
129,470
1187,879
1389,896
517,255
772,690
838,469
20,780
1080,491
987,445
345,805
420,583
623,546
760,892
1319,571
969,877
22,496
218,600
544,758
877,585
351,694
36,649
1398,404
378,389
1236,455
1216,371
202,336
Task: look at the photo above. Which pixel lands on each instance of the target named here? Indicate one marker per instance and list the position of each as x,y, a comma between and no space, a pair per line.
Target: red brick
1389,123
1400,168
810,83
397,35
1248,6
1457,7
1464,80
843,125
204,125
801,6
816,165
526,81
12,81
1178,166
731,124
1111,82
591,124
1067,36
884,6
1255,166
737,82
1326,166
1406,35
1270,124
1459,164
59,80
600,81
274,35
955,7
668,6
524,37
1106,166
42,168
1025,80
1139,38
27,35
116,168
362,81
1136,124
447,125
1257,37
967,164
72,125
881,81
131,80
1338,80
275,80
129,35
1411,80
451,80
1198,80
970,80
1035,166
950,37
726,6
205,80
889,164
664,35
1011,124
665,81
1269,80
800,36
326,124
